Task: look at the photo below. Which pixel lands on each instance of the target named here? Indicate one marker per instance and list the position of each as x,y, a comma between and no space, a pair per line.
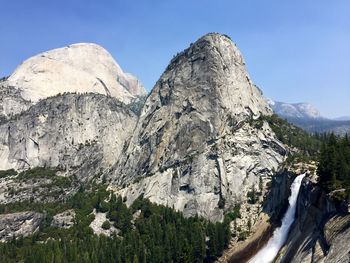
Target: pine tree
261,184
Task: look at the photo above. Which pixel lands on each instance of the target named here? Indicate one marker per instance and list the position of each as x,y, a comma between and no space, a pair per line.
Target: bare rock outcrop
11,102
97,225
64,220
195,147
19,224
35,186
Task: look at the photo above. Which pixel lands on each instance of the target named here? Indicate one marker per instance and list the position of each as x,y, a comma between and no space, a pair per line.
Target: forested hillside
157,234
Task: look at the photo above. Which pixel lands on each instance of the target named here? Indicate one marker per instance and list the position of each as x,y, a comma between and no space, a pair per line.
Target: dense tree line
158,234
334,166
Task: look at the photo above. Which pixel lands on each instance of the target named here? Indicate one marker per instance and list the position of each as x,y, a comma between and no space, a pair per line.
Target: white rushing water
269,252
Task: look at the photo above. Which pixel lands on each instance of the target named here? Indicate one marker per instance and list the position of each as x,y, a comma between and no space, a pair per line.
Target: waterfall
269,252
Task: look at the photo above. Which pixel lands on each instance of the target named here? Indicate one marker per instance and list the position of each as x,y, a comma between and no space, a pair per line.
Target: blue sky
296,51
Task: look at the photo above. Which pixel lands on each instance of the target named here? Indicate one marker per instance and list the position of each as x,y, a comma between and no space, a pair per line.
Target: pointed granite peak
208,45
211,73
218,42
189,150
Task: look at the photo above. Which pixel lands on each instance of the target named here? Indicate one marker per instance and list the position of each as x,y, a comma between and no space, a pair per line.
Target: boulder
19,224
64,220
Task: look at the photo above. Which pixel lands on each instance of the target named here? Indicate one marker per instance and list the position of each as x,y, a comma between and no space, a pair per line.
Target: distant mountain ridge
342,118
306,116
295,110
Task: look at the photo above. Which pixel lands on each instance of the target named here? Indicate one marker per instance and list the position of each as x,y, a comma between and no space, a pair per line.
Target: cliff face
76,133
11,102
195,147
274,206
321,232
81,132
276,202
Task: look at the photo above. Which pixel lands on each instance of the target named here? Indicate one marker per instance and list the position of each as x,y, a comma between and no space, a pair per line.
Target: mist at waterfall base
269,252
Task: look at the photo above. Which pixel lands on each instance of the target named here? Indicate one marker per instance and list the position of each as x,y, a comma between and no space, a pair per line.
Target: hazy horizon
295,52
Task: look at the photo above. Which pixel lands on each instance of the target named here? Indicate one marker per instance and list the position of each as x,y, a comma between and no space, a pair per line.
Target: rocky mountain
80,68
80,135
295,110
306,116
343,118
41,127
62,131
203,143
194,147
323,125
64,109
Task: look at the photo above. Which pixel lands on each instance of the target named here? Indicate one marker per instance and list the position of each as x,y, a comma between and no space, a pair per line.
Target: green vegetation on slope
332,153
158,234
137,105
40,184
305,146
7,173
334,166
38,173
293,136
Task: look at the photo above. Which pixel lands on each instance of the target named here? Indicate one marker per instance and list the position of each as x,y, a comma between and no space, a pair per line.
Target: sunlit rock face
195,146
64,109
78,133
81,68
11,102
